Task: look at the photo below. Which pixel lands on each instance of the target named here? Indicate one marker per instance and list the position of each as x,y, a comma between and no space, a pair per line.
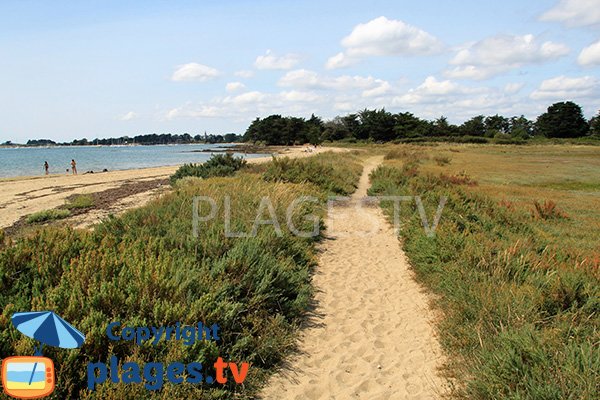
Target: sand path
370,335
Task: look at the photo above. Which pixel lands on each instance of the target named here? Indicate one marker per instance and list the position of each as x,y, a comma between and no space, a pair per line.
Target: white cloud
199,112
381,90
272,61
305,79
128,116
248,105
339,61
431,90
300,96
498,54
574,12
384,37
435,97
245,98
194,72
244,73
590,55
234,86
565,88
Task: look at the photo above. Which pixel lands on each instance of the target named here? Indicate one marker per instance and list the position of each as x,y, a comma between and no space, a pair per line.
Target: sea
29,161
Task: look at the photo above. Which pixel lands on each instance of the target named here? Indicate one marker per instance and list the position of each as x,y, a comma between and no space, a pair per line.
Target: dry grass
567,175
519,294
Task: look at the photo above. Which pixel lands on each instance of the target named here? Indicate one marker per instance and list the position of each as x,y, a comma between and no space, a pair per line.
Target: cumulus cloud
194,72
435,97
574,13
272,61
340,60
590,55
498,54
565,88
306,79
234,86
431,90
384,37
251,104
202,111
128,116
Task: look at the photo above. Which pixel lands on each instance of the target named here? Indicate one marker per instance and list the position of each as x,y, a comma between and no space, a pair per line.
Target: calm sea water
30,160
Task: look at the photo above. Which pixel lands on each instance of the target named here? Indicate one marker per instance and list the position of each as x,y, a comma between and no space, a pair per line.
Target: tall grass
336,173
145,268
521,314
48,215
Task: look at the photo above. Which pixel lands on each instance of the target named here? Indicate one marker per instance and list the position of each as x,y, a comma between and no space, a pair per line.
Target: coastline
25,195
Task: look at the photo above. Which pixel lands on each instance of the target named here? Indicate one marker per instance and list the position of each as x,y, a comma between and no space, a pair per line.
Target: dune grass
145,268
518,284
47,215
335,173
81,201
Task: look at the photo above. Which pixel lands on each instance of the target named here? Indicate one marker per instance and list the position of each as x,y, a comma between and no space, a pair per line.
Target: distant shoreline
33,146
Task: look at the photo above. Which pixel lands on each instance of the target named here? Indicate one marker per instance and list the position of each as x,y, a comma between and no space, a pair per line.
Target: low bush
521,315
48,215
217,165
337,173
145,268
80,202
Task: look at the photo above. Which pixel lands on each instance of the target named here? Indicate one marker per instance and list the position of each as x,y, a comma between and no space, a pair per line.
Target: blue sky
110,68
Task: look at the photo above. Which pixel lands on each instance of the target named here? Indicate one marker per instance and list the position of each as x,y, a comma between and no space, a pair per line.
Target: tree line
147,139
561,120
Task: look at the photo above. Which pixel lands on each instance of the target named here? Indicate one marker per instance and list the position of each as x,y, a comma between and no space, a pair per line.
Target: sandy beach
371,333
23,196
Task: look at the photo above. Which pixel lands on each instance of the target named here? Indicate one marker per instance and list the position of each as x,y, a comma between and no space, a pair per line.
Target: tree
336,129
562,120
520,127
496,124
441,127
407,125
595,125
377,125
474,127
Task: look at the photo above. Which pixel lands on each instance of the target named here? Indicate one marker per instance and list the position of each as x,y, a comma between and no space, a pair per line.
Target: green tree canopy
562,120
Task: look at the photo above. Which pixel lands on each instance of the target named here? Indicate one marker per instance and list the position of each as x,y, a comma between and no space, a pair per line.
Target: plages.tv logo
30,377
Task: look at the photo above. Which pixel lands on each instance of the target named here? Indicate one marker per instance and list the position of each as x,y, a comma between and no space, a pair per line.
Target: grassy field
515,263
145,268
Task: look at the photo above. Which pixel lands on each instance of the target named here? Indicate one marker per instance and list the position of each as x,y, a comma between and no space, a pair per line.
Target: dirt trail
371,334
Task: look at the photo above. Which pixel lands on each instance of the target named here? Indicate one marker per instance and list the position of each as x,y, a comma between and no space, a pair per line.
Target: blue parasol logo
33,377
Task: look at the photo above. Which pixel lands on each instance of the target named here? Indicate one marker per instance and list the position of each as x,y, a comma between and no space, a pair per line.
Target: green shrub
145,268
337,173
521,317
217,165
48,215
80,201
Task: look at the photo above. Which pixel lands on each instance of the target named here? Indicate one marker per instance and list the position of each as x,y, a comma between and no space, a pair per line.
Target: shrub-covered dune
145,268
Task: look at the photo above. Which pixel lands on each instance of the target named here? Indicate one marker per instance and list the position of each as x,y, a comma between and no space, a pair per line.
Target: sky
104,68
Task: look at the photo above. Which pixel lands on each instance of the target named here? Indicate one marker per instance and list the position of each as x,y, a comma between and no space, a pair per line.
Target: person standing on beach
74,167
46,167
